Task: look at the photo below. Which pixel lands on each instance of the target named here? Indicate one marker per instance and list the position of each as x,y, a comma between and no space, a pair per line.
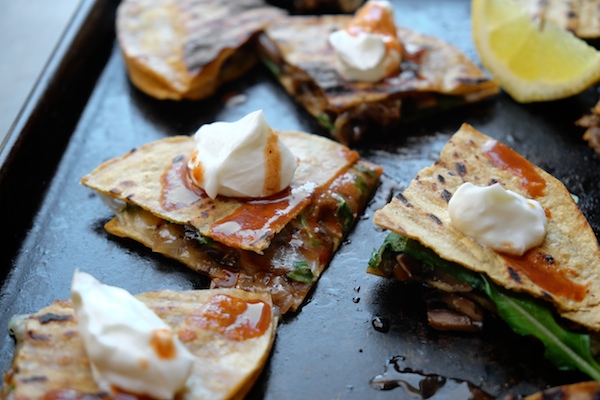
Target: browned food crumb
592,123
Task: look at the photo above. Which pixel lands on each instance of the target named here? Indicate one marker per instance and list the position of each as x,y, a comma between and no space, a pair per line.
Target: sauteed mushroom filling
448,305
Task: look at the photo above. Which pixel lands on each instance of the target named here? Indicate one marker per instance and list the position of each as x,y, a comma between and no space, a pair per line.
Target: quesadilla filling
279,244
433,76
546,289
292,263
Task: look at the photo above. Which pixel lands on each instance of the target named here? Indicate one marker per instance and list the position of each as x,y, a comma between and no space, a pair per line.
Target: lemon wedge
530,59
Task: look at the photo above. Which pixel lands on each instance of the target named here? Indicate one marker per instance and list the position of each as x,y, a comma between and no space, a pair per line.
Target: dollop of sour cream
245,158
498,218
129,347
368,48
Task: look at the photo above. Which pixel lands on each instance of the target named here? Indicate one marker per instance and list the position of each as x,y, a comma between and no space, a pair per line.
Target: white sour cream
498,218
368,50
241,159
128,345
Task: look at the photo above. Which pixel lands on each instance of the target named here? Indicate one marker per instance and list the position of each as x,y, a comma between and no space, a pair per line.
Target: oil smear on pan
421,386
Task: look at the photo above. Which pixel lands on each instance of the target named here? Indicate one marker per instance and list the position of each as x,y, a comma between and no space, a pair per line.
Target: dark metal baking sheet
84,111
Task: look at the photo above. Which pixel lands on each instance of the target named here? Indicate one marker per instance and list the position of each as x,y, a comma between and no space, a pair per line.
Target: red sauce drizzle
198,171
272,165
234,318
254,221
176,190
504,157
163,344
372,18
544,272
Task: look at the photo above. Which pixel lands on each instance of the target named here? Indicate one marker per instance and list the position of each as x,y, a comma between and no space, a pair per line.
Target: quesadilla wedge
582,17
51,362
186,49
545,292
433,76
279,244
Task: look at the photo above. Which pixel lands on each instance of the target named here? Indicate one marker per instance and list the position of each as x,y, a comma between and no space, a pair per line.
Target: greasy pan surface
85,111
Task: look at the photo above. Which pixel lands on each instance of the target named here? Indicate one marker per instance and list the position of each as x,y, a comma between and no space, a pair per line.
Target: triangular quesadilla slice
559,276
433,76
280,245
50,360
186,49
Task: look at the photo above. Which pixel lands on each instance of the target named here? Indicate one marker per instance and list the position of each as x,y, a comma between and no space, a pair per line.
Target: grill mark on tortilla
461,169
441,179
471,81
435,219
38,336
514,275
37,378
446,195
401,197
51,317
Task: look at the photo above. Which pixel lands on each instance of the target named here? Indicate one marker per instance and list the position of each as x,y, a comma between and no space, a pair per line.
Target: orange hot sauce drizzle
176,191
372,18
502,156
234,318
544,272
540,268
254,220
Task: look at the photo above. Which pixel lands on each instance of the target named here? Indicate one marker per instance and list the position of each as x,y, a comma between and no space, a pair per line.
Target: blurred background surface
29,32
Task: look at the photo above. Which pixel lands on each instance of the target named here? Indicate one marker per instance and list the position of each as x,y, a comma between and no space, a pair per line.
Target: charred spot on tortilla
461,169
446,195
244,243
514,275
50,317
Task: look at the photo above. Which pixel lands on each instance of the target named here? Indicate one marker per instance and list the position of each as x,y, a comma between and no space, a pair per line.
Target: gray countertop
29,32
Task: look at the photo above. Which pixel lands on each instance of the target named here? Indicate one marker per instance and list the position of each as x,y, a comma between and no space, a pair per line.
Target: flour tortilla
421,213
136,178
50,356
434,77
303,44
185,49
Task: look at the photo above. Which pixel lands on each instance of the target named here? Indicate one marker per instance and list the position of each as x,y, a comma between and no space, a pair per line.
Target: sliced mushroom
446,311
